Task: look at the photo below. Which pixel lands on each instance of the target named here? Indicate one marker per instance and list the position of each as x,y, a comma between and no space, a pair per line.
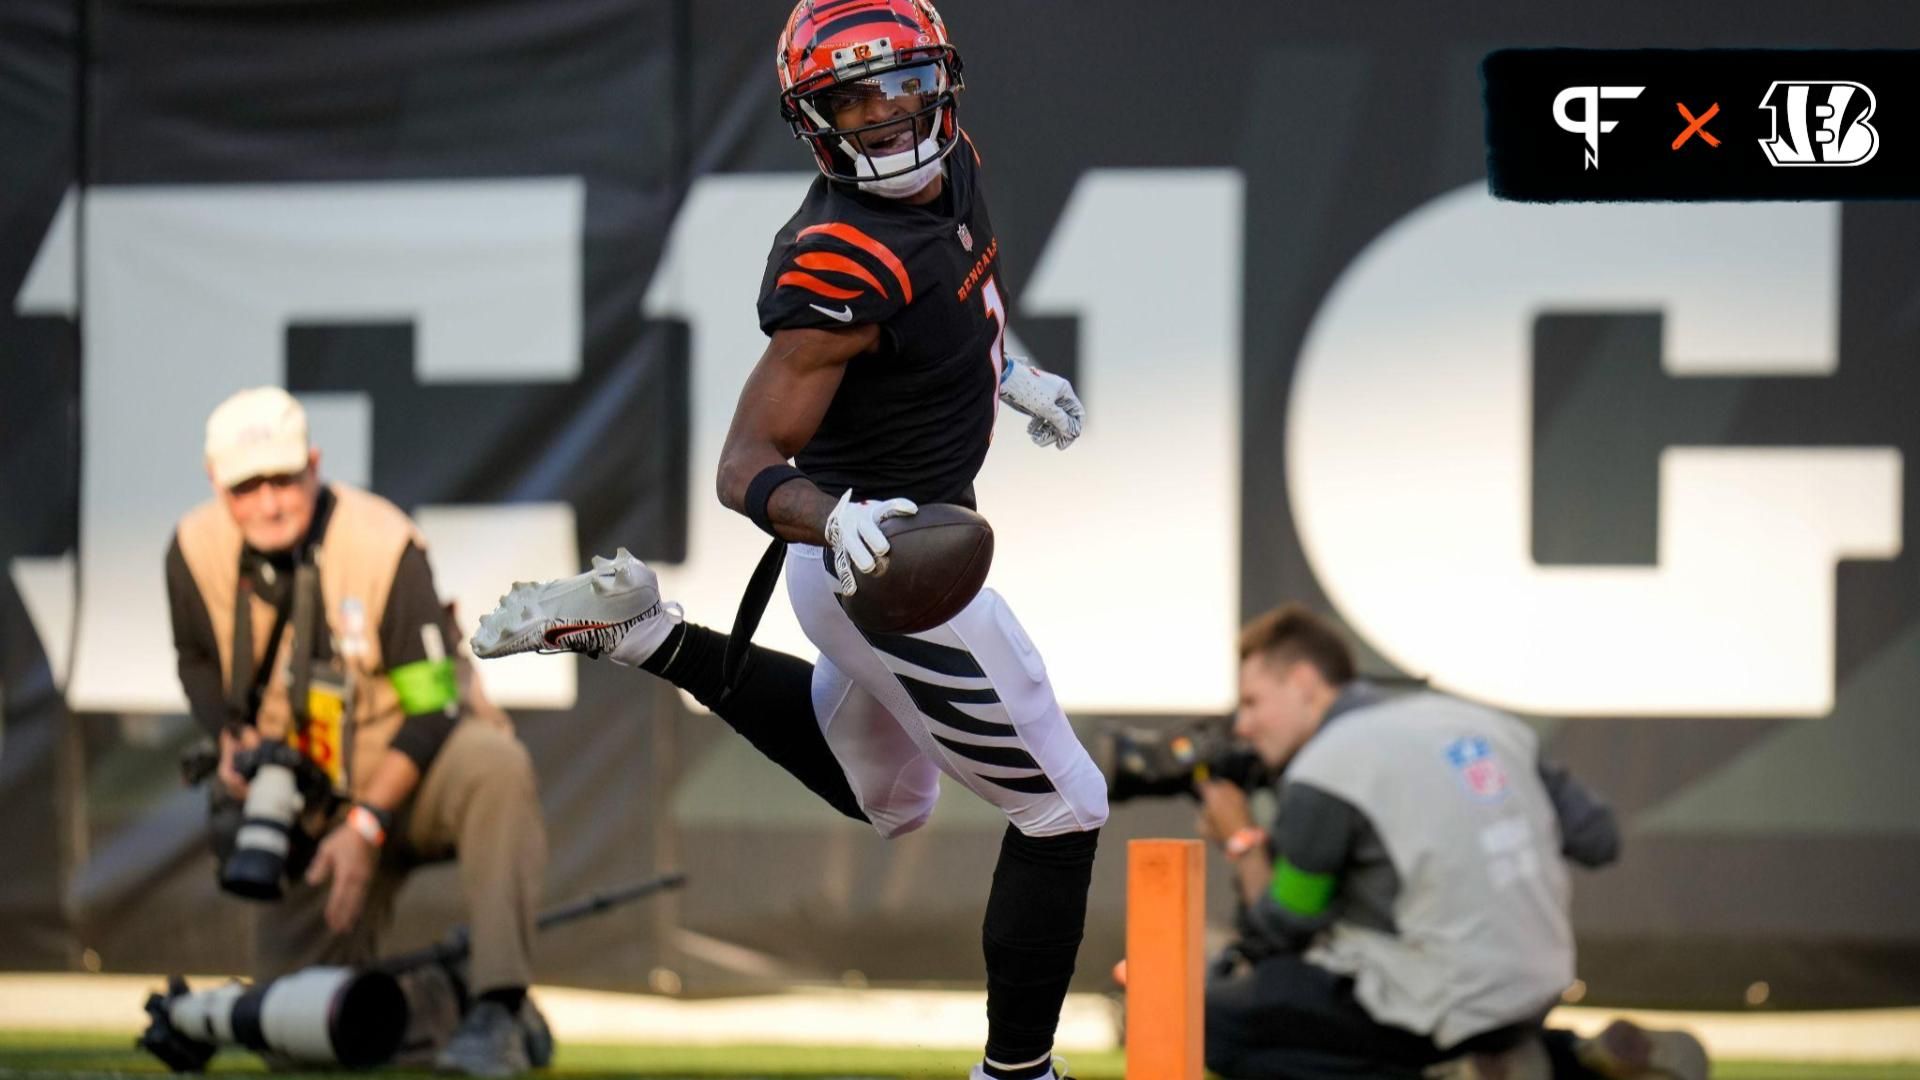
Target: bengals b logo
1820,123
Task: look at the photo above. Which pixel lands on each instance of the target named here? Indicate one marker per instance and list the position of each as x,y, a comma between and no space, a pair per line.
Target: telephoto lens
273,806
324,1016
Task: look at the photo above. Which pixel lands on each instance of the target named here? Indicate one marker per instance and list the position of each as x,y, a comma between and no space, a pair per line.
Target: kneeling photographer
1407,910
352,744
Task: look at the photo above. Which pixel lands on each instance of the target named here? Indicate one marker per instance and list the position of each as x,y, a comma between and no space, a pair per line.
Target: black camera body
1148,763
262,843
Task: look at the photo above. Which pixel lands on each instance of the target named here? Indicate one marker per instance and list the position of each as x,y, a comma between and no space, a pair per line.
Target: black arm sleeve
196,652
412,606
1315,834
1589,835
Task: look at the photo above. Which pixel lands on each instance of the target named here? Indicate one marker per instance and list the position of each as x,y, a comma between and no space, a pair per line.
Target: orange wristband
1245,840
363,821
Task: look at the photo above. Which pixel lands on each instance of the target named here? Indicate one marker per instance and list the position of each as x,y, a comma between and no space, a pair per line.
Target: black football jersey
911,419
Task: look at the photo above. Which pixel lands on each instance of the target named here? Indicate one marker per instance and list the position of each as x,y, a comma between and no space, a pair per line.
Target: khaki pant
477,804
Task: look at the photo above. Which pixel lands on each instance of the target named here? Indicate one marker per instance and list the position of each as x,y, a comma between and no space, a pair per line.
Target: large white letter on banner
1408,451
189,294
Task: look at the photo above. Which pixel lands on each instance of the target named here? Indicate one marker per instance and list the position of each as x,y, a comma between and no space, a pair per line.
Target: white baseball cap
257,432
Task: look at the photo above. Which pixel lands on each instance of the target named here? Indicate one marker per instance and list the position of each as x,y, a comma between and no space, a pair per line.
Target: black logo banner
1587,125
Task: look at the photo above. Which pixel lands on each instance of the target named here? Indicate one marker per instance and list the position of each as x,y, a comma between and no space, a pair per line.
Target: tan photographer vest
357,557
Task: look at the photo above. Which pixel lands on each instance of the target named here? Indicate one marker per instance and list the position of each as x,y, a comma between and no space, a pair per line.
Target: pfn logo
1589,123
1826,124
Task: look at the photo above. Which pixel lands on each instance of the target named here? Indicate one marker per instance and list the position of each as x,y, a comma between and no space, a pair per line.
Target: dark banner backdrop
39,451
1633,472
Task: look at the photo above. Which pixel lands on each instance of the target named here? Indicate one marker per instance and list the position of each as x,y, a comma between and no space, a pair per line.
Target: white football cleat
589,613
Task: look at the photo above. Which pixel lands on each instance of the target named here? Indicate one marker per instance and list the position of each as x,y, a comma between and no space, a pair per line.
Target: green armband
425,686
1300,892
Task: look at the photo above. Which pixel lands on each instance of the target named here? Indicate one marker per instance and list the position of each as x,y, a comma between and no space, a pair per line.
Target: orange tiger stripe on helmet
842,231
840,264
814,28
813,284
818,24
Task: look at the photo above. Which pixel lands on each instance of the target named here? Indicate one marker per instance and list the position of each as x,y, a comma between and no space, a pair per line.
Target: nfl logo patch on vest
1479,770
966,238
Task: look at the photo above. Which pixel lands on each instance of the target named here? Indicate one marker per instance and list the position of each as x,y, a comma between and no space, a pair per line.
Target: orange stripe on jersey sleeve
814,284
970,146
840,264
875,248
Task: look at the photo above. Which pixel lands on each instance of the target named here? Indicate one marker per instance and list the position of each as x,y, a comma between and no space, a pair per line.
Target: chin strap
905,184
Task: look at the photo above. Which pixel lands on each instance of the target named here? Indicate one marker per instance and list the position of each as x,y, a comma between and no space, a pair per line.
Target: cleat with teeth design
587,613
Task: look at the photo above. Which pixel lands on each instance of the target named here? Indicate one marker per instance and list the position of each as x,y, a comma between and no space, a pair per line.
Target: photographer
352,744
1409,905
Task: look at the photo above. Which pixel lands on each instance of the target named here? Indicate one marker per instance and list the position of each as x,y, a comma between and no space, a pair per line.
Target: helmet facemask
884,122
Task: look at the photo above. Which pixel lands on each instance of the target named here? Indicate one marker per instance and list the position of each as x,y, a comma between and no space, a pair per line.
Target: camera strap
250,681
306,611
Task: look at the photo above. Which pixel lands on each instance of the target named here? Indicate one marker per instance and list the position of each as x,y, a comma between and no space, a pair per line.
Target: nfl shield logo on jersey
966,237
1474,762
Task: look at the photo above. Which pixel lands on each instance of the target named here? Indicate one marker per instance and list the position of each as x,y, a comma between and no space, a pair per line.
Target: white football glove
853,532
1049,399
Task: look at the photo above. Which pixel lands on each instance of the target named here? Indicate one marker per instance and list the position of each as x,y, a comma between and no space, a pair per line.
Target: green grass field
95,1055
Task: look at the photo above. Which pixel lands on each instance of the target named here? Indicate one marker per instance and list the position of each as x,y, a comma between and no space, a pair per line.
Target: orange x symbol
1699,125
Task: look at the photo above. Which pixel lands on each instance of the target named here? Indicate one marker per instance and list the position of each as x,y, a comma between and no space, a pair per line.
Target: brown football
938,560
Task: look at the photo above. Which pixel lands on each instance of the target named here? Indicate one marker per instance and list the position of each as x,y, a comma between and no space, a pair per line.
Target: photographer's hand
1223,810
233,739
347,858
351,851
1226,819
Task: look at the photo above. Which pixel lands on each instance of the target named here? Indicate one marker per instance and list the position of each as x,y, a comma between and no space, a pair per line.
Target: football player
880,384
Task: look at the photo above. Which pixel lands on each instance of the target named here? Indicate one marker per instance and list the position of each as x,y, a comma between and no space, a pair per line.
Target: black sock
509,996
1040,1071
772,707
1036,913
666,656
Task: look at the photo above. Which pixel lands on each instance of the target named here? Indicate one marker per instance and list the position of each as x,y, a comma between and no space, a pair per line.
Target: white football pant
969,698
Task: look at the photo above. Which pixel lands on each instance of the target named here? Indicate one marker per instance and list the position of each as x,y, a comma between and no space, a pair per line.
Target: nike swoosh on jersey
845,314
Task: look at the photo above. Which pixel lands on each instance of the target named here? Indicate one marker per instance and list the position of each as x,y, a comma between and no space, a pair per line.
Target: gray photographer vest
1453,792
